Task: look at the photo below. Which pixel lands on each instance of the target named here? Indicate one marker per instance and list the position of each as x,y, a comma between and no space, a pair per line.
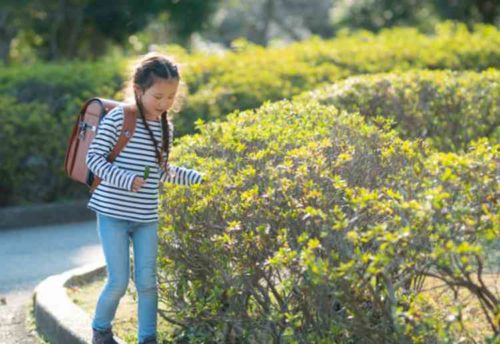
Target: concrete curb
57,318
45,214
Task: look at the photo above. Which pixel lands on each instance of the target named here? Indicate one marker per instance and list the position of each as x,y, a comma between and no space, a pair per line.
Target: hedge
218,85
246,78
315,227
449,108
39,106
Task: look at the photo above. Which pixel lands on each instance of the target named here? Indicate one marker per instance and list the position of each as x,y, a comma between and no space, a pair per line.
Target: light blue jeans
114,235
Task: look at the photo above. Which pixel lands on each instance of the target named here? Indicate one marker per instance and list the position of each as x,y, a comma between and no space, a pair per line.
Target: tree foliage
377,14
85,28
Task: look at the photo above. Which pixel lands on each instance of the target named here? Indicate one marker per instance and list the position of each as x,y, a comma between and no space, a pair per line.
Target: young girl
126,203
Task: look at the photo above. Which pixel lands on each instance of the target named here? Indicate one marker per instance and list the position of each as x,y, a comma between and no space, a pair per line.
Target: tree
84,28
188,16
469,10
10,23
376,14
263,20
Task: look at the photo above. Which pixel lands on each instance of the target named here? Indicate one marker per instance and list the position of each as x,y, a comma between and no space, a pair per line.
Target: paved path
29,255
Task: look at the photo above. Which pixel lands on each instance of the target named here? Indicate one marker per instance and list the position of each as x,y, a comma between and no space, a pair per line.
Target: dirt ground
436,295
125,322
16,320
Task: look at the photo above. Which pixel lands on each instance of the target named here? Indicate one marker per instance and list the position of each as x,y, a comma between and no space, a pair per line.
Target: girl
126,201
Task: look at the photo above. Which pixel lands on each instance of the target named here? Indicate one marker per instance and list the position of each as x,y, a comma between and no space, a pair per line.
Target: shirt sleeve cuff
129,181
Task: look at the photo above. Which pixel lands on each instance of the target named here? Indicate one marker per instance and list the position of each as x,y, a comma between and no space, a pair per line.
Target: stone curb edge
45,214
57,318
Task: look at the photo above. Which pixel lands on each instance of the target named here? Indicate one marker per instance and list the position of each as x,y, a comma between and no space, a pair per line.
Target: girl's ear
137,90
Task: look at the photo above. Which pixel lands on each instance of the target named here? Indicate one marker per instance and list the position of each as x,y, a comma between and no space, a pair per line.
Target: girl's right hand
137,184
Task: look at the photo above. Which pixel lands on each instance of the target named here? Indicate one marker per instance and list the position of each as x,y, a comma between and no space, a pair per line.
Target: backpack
84,131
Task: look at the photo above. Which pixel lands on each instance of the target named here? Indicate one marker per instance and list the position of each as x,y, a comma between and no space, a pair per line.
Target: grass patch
125,322
30,324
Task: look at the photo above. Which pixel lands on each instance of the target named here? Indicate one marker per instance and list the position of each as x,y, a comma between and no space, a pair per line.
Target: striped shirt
114,196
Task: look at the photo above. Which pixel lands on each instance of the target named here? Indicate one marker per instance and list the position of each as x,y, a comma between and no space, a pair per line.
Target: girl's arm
103,143
181,176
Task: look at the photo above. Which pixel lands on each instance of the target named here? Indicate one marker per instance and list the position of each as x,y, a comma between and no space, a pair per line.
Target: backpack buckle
84,126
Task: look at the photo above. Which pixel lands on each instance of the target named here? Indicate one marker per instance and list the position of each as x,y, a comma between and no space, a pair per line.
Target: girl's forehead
164,85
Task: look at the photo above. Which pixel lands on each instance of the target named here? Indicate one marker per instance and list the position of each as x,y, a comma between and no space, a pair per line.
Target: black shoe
150,340
103,337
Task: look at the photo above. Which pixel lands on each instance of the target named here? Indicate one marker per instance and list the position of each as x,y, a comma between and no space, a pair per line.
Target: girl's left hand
137,184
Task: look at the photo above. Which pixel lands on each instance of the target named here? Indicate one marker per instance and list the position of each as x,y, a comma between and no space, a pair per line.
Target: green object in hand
146,172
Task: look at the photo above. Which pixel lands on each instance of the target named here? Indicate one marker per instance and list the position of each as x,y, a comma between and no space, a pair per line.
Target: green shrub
251,75
39,106
220,84
457,222
61,86
315,227
32,155
448,107
23,166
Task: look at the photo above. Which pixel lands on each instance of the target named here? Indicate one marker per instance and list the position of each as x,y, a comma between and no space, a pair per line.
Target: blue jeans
114,235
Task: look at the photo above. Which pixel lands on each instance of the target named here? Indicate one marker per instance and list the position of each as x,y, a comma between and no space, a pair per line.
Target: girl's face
158,98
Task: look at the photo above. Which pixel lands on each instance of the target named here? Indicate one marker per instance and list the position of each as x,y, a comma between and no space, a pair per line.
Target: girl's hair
148,70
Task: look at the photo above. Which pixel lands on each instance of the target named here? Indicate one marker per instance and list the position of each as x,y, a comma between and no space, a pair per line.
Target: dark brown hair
149,69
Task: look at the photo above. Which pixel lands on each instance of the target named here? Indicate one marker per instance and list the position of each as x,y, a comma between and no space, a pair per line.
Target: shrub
61,86
314,227
220,84
249,76
39,106
458,216
449,108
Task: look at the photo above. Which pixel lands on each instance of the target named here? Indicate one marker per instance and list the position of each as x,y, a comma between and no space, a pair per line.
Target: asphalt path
27,257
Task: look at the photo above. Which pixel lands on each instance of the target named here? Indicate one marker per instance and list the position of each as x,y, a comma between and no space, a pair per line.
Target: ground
125,323
436,295
17,324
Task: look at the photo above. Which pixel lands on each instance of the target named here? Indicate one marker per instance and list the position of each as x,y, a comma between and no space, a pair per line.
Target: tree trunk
55,29
488,10
7,34
75,33
267,14
5,48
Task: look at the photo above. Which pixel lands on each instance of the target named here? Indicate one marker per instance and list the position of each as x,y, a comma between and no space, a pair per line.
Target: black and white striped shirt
114,196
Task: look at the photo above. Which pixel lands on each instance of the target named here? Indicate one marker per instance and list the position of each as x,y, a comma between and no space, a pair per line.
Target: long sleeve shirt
114,196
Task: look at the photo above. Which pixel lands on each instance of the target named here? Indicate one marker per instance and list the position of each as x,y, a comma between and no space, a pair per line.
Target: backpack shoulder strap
128,129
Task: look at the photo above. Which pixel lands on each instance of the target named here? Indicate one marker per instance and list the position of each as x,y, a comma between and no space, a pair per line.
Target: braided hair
159,66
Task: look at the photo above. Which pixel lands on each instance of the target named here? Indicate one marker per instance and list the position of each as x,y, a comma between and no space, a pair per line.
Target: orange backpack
84,131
